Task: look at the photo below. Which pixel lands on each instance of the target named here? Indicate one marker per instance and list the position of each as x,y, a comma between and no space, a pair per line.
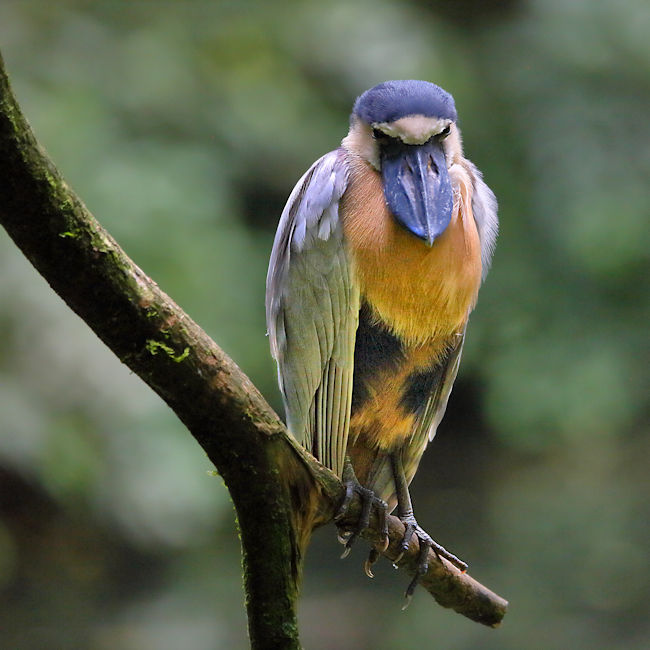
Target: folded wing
312,312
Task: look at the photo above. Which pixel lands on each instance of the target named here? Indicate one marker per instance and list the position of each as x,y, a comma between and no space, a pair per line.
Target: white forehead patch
414,129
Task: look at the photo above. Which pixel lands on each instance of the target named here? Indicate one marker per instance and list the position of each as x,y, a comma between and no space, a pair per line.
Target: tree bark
280,492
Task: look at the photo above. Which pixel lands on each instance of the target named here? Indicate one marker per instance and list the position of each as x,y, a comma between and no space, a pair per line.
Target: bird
375,268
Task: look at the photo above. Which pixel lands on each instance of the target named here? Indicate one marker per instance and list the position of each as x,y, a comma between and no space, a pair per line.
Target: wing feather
484,210
434,411
312,309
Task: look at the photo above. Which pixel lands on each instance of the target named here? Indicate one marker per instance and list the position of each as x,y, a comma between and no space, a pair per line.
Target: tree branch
280,492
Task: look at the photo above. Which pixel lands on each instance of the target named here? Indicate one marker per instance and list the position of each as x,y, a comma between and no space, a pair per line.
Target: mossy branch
280,492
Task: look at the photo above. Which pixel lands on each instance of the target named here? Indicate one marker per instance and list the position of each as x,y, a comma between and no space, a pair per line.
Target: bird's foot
368,502
425,542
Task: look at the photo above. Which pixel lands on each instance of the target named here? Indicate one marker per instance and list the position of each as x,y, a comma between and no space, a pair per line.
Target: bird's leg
406,516
368,500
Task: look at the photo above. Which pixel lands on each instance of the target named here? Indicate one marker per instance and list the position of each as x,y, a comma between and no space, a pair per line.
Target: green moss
71,234
154,347
66,205
52,180
182,356
101,245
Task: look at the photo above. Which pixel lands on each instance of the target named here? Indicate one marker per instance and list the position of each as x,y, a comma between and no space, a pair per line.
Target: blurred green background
184,126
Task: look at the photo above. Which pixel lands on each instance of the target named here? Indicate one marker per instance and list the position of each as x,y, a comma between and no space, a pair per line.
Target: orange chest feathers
419,292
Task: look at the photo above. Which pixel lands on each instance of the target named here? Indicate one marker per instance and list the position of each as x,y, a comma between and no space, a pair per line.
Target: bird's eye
445,132
378,134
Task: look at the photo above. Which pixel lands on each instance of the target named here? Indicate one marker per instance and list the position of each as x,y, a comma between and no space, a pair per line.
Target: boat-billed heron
376,266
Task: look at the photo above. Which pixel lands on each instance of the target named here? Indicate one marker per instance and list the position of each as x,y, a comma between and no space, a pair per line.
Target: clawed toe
343,536
441,552
368,502
425,542
373,556
406,540
423,566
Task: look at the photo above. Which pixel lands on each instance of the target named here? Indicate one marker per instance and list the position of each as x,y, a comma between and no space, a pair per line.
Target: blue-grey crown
392,100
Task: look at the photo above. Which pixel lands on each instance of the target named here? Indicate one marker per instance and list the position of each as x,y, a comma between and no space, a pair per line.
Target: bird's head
407,131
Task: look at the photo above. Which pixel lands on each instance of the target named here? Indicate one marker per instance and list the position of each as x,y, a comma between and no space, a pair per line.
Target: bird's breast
419,292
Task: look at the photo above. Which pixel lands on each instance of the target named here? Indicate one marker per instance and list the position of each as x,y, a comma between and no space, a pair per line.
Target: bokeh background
184,126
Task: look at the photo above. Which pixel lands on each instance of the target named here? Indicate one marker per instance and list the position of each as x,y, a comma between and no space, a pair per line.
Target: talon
368,501
343,536
408,598
348,545
373,556
408,594
425,543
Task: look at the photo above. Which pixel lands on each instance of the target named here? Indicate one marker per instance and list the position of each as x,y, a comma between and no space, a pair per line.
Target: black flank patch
419,386
375,349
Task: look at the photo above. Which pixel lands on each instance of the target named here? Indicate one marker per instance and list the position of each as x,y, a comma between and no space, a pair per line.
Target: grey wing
312,312
427,421
484,210
434,410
